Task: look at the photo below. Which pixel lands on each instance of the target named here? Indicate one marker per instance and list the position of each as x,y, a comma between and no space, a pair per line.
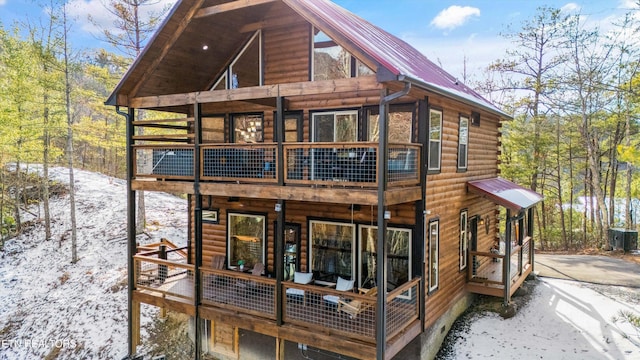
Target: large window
400,124
331,61
336,126
398,256
247,239
463,142
434,258
245,69
331,252
435,139
247,128
464,238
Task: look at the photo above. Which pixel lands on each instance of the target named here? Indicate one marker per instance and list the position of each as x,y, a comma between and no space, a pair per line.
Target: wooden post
197,230
135,326
280,209
280,348
506,262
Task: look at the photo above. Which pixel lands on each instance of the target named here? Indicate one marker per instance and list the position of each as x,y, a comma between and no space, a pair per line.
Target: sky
451,33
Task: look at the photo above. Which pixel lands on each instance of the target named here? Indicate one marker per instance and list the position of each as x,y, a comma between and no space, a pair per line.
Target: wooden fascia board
230,6
259,92
172,40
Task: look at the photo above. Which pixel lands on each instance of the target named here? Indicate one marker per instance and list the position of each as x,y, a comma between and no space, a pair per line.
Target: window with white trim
434,258
335,126
246,236
463,142
435,139
464,239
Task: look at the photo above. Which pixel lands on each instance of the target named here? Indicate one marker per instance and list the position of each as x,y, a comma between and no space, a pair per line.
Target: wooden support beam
135,322
230,6
272,23
305,88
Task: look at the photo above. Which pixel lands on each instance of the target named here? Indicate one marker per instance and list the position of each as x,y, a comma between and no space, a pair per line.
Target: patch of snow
78,310
563,320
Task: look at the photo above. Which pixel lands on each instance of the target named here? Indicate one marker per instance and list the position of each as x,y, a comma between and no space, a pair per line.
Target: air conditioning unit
623,239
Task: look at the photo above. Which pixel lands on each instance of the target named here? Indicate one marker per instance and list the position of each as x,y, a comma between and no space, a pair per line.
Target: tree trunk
72,196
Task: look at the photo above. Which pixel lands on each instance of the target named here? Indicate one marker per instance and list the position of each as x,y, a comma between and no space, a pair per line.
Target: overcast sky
446,31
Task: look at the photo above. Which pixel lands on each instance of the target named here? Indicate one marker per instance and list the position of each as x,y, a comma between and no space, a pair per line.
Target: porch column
280,209
197,229
531,242
381,246
133,318
506,261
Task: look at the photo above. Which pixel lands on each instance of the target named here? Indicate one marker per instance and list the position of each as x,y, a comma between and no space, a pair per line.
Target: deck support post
280,208
381,256
133,324
280,348
381,244
506,262
197,230
531,242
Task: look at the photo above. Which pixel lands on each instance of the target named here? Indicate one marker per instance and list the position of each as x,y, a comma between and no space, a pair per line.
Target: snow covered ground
563,320
50,308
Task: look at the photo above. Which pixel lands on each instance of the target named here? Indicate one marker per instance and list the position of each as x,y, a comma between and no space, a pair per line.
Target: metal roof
505,193
394,54
178,41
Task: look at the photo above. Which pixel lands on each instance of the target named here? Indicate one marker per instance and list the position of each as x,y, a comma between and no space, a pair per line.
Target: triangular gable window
331,61
246,68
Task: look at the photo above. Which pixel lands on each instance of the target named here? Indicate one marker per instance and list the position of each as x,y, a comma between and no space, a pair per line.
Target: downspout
131,228
381,259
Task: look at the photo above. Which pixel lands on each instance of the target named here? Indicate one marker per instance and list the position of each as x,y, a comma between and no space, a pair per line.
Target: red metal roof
505,193
394,54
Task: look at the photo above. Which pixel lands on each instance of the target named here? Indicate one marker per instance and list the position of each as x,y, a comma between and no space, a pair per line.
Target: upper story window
435,139
400,124
245,69
335,126
463,142
331,61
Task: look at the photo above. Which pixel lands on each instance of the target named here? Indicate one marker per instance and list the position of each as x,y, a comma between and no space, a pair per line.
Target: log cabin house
343,189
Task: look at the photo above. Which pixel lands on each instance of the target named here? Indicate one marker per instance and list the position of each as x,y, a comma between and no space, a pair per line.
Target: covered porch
502,269
312,313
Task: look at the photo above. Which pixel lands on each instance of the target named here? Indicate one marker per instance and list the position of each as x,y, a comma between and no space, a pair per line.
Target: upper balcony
333,171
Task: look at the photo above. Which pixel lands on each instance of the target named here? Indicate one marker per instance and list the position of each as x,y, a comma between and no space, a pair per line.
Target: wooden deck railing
166,278
487,268
311,305
403,307
239,292
330,164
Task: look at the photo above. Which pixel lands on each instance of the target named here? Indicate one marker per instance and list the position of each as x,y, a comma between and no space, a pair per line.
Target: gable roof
392,54
395,55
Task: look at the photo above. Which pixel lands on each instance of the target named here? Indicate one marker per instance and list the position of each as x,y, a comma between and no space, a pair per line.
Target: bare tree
67,90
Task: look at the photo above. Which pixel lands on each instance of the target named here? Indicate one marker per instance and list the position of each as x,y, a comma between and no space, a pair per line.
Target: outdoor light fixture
387,215
278,208
205,47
